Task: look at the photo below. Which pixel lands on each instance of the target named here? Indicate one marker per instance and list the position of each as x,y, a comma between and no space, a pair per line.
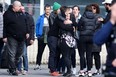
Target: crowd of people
64,30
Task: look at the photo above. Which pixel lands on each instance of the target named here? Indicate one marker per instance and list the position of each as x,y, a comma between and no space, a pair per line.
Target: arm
32,28
65,27
80,23
37,27
102,35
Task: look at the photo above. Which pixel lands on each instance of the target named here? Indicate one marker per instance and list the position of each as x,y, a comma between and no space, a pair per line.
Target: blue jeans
23,60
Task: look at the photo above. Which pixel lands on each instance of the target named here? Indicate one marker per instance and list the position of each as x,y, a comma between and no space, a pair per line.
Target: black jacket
88,24
57,25
15,25
30,23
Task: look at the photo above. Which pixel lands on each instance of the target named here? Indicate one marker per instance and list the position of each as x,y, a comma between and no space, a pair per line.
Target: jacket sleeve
5,22
102,35
32,28
37,27
65,27
80,23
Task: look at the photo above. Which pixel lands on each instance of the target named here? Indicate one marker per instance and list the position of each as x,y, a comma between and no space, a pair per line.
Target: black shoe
67,74
96,73
12,72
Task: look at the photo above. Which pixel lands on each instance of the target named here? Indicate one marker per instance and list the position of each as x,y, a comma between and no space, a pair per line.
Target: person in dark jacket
109,30
96,49
15,31
86,27
67,32
29,41
53,40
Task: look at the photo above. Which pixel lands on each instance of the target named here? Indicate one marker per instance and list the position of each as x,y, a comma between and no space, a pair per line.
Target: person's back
88,26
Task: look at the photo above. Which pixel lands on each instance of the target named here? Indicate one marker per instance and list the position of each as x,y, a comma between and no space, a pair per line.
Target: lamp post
41,7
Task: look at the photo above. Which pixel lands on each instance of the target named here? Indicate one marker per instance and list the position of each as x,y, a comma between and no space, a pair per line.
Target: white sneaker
37,67
89,73
24,72
81,73
74,71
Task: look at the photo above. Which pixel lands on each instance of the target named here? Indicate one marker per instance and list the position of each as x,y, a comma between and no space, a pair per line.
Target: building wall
32,53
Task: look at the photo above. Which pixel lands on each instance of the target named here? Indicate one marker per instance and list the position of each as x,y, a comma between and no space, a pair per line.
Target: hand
100,19
74,29
31,42
67,22
27,36
4,40
114,63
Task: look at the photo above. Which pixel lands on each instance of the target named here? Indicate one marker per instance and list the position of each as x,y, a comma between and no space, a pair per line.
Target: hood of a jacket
89,15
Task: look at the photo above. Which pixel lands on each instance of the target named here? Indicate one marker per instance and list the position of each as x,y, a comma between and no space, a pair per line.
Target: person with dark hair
42,28
1,30
107,34
96,49
77,15
24,59
86,27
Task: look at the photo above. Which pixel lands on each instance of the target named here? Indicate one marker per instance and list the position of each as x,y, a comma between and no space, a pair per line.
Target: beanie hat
56,6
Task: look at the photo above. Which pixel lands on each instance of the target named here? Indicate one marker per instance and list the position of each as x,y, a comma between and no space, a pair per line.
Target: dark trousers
52,44
15,50
97,59
85,46
1,47
66,54
111,50
41,47
73,58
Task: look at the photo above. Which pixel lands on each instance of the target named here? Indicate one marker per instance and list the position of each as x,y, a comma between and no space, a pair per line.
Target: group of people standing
63,30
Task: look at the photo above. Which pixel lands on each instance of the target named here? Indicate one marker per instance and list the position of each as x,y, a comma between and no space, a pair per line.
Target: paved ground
34,73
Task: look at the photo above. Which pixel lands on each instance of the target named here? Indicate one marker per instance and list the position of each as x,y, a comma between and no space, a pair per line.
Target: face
107,6
67,13
22,9
17,7
113,11
47,10
94,10
58,11
76,10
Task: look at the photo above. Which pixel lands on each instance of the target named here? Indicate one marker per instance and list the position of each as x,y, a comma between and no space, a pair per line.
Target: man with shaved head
15,32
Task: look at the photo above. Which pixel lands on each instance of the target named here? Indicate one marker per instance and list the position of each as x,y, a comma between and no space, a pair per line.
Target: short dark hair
47,5
97,7
88,8
76,6
1,8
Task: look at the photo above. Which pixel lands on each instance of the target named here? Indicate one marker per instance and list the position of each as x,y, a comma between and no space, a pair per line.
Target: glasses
107,4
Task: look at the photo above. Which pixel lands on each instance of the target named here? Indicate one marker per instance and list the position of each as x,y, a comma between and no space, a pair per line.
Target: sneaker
55,74
18,72
81,73
67,74
12,72
37,67
24,72
74,71
89,73
97,72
